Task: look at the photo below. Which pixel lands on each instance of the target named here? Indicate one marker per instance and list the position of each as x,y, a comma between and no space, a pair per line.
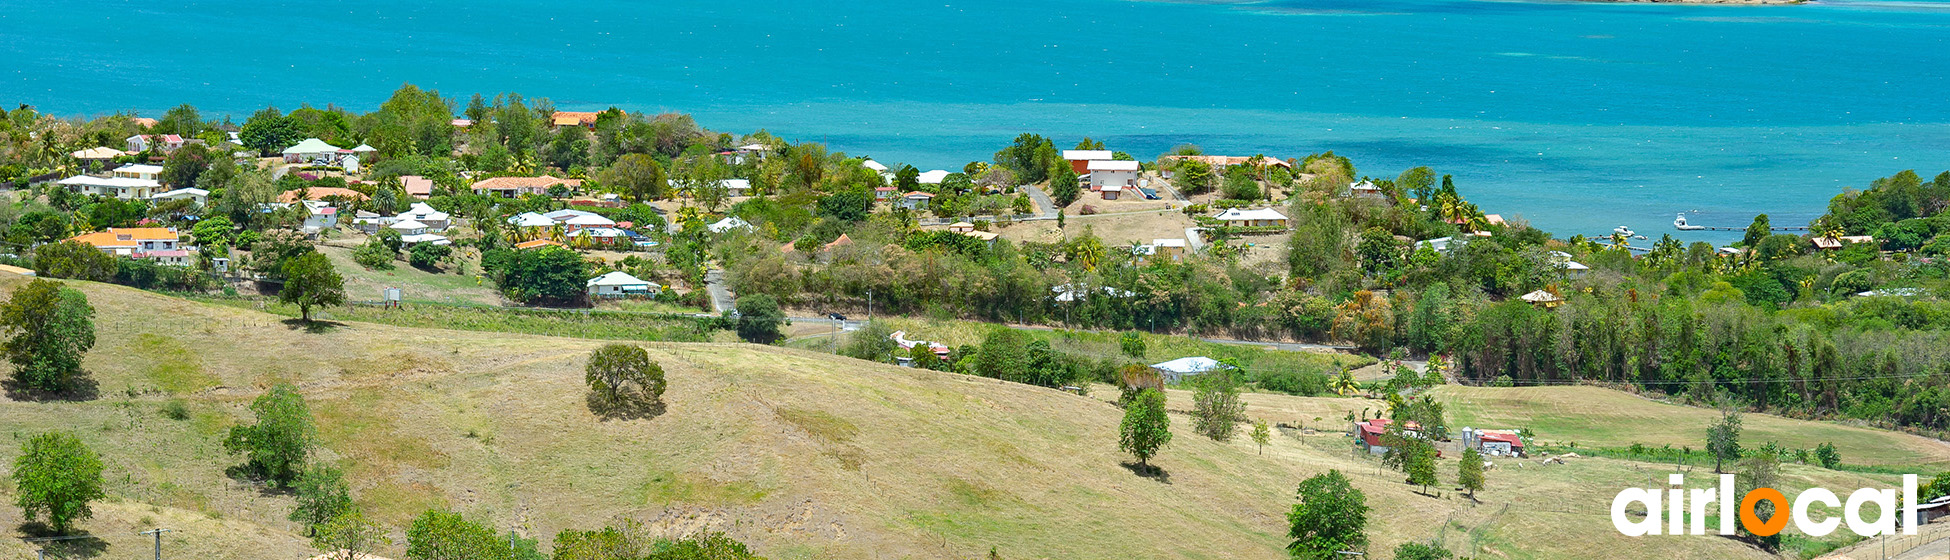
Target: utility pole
158,533
869,305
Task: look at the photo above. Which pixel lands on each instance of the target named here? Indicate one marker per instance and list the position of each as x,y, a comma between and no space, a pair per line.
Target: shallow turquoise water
1575,116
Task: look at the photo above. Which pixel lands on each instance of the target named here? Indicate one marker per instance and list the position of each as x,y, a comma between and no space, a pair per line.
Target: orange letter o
1773,524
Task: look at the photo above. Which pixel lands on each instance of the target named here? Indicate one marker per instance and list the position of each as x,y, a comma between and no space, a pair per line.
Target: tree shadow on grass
1152,472
84,389
314,326
622,409
79,545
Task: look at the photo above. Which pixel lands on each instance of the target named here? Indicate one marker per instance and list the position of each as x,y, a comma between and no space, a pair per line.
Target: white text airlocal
1666,511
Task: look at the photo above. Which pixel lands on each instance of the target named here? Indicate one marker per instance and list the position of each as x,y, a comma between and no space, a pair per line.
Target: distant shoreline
1747,2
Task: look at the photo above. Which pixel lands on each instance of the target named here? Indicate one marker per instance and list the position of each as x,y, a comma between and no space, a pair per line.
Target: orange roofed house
511,187
585,119
160,244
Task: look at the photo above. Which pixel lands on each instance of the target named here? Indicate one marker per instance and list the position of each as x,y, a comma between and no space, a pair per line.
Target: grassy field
459,282
803,454
1158,348
1597,417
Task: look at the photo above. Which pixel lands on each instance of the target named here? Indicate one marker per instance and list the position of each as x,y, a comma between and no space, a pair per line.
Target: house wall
1100,178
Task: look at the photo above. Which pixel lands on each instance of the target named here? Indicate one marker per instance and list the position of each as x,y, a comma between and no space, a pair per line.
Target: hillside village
1188,336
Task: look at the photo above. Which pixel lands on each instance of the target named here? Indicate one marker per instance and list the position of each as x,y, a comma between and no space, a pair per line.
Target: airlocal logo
1676,501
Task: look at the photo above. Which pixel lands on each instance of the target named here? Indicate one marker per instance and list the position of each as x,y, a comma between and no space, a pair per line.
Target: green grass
593,324
172,366
1158,347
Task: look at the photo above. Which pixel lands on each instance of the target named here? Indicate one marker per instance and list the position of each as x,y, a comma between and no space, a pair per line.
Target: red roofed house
1371,434
167,142
141,243
320,193
1493,442
511,187
884,193
416,185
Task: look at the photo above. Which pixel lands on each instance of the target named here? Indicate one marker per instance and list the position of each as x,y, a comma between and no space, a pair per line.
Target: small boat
1623,230
1679,223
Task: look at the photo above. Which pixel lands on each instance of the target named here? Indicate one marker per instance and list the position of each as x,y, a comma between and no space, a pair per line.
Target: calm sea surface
1575,116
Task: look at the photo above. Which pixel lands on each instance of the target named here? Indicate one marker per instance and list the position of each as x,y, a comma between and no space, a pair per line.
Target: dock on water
1681,225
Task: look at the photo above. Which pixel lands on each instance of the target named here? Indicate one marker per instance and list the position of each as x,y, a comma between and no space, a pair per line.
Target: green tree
1193,177
48,327
1064,187
1827,456
1032,158
184,166
1469,472
638,176
1419,182
322,496
1762,470
57,475
1723,439
622,377
309,281
374,254
213,232
1145,427
873,342
268,131
1332,517
1261,435
445,535
759,318
73,259
277,445
1132,344
1418,461
349,536
549,274
1216,406
1756,232
1421,551
428,256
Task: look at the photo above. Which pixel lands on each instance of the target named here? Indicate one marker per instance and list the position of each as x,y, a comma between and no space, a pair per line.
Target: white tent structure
728,224
933,177
591,220
1176,370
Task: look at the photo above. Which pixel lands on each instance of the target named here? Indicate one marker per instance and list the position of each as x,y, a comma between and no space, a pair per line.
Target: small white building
311,149
421,212
408,227
320,216
916,200
619,283
728,224
199,196
1113,172
530,220
737,187
1259,217
1080,159
416,239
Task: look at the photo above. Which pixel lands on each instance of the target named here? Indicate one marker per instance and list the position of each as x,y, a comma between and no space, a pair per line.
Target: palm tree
1344,384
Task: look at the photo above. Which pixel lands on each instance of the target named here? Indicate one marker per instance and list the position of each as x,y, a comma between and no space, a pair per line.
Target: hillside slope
805,455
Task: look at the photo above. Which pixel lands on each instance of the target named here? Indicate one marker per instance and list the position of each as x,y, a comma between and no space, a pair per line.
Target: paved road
1042,201
720,297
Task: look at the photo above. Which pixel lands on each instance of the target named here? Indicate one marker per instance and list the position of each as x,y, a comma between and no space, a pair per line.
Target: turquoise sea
1575,116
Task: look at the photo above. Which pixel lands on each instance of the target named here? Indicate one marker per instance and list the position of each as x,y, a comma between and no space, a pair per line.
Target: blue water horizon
1574,116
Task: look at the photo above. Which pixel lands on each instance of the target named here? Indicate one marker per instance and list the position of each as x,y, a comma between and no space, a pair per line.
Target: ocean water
1574,116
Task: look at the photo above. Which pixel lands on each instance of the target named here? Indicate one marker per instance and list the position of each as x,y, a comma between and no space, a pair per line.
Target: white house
408,227
312,149
1112,172
728,224
736,187
579,218
129,182
321,216
421,212
619,283
530,220
419,238
1260,217
1366,190
200,196
916,200
166,142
